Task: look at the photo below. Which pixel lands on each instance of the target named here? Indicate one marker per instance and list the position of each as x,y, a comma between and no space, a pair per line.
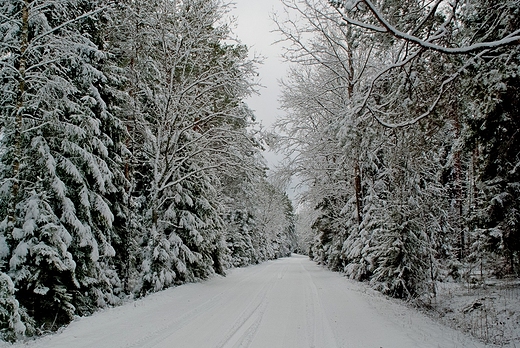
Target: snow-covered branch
511,39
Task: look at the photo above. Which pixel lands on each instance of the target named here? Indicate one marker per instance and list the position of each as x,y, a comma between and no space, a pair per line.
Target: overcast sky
254,28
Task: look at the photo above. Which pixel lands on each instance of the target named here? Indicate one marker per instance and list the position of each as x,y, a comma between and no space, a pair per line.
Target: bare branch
511,39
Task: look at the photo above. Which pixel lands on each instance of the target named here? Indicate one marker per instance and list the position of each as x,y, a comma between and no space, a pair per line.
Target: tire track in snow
310,314
320,333
162,333
245,327
289,303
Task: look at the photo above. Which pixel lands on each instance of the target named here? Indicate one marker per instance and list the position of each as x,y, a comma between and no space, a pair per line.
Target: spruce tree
57,163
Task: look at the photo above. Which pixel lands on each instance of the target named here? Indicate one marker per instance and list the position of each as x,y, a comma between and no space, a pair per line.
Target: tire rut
244,329
157,336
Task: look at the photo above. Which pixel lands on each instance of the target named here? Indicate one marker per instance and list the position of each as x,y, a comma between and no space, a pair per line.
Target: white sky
254,29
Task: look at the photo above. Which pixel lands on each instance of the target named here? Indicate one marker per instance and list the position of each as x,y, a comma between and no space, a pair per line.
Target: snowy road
287,303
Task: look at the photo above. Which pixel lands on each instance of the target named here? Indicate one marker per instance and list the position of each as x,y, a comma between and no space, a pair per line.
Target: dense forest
403,128
128,159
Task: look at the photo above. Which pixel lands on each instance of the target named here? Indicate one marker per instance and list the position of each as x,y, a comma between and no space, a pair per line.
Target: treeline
127,160
403,123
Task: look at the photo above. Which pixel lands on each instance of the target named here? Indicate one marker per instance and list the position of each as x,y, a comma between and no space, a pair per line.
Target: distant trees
393,111
304,219
260,228
122,129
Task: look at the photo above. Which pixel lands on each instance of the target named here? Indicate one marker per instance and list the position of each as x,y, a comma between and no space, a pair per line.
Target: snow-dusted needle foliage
403,123
121,124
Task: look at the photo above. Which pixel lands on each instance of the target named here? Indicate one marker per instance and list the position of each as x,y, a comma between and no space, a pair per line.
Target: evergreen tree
492,139
274,211
122,127
57,167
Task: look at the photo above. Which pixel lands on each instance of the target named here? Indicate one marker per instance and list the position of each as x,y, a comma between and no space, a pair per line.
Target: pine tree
241,224
120,124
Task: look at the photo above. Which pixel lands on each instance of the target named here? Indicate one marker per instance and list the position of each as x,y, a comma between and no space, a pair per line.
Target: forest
129,161
403,128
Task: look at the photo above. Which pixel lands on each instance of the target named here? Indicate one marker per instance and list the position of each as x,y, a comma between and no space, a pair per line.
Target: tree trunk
457,168
24,42
357,187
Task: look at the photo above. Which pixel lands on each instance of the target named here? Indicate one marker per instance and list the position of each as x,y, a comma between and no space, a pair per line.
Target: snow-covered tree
391,202
59,159
242,233
304,218
491,138
329,144
122,126
187,123
275,216
427,34
259,223
11,326
397,115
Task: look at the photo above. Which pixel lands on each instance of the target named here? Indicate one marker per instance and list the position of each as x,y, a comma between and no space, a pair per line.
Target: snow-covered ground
287,303
489,311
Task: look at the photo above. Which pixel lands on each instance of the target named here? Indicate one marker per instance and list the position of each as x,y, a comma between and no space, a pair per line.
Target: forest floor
489,311
289,303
